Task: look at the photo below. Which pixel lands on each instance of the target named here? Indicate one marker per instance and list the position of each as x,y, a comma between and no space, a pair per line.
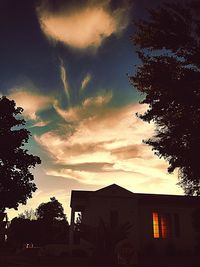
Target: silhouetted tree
16,180
28,214
29,229
168,45
53,222
51,211
22,231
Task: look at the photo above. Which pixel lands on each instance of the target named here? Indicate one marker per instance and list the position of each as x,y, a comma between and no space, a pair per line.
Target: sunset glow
67,64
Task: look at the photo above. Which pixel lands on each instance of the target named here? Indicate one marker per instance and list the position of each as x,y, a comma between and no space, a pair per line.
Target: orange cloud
82,27
31,102
109,142
90,107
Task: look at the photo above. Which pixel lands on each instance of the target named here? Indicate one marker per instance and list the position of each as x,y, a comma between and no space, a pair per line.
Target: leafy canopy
51,211
16,180
29,214
168,45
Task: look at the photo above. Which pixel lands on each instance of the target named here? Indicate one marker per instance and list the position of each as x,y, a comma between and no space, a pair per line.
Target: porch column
71,230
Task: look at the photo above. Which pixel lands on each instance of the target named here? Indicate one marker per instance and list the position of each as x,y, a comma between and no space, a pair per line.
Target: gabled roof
111,190
114,190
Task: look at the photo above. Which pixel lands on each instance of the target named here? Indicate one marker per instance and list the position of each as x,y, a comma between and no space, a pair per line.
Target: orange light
164,227
156,233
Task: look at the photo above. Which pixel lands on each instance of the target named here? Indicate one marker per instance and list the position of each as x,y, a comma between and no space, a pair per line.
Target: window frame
161,225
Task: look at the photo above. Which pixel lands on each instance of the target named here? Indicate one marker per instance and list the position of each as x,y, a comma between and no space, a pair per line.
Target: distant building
161,223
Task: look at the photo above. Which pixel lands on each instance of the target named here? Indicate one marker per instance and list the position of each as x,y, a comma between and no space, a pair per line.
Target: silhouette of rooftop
117,190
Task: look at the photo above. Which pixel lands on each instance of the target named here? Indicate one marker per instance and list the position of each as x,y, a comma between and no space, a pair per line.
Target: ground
30,258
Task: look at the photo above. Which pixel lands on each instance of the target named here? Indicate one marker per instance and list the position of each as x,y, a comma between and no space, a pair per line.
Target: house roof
144,199
149,199
114,189
79,194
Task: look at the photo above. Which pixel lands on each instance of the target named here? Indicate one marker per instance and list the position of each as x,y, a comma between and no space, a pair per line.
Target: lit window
164,226
161,225
155,225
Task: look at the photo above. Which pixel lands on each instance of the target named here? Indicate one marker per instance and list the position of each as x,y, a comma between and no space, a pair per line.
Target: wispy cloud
82,26
63,76
85,81
107,147
31,102
90,107
40,123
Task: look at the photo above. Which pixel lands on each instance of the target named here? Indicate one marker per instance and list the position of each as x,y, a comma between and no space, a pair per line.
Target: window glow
155,225
164,226
161,225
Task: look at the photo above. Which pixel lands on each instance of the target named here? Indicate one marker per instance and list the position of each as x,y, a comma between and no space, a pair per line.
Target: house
161,223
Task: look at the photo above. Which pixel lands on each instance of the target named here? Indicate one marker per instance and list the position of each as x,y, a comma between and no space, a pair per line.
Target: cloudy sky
66,63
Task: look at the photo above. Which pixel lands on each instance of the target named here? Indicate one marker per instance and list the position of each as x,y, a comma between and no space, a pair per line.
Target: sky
67,63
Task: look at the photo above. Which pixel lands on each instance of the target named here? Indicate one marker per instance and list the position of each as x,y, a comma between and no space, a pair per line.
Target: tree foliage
45,225
16,180
22,231
168,44
38,232
29,214
51,211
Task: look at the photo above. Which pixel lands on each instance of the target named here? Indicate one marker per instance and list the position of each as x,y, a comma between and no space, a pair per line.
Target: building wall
184,242
137,209
100,207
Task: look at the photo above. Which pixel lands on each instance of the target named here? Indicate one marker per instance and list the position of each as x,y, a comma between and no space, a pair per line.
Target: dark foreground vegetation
32,258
